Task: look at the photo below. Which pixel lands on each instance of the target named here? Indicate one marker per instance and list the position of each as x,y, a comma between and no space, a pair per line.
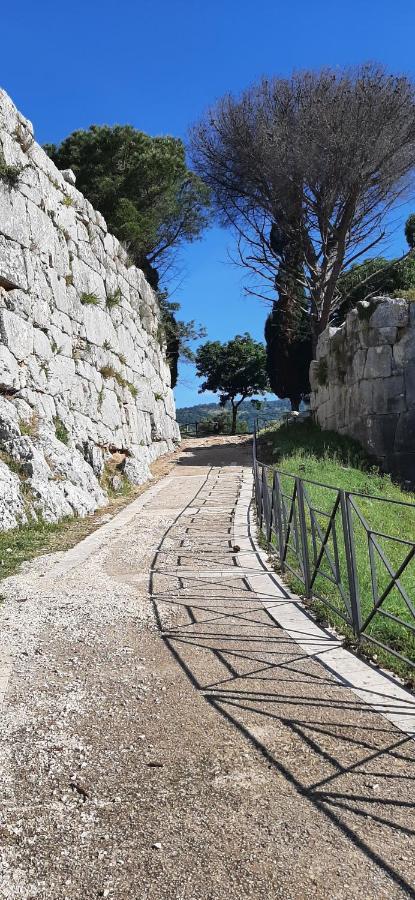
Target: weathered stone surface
70,366
12,511
378,362
137,470
9,370
370,394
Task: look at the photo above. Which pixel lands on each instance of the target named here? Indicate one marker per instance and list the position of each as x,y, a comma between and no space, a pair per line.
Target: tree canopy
319,158
235,370
178,335
141,184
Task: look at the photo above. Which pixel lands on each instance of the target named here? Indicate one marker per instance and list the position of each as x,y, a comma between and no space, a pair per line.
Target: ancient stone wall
84,382
363,381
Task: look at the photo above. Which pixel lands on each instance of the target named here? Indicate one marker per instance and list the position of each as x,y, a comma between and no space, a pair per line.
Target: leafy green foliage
269,411
378,276
220,422
235,369
177,335
410,231
289,351
142,187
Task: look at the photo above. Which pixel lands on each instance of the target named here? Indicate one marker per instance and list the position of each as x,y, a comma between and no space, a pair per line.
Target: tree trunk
234,415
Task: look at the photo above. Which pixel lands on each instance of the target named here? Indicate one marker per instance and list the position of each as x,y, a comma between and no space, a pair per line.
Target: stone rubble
363,381
83,370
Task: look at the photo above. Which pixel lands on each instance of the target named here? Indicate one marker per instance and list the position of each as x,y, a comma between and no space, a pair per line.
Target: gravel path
161,737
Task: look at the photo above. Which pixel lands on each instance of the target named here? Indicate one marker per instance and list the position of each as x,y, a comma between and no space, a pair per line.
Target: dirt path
163,738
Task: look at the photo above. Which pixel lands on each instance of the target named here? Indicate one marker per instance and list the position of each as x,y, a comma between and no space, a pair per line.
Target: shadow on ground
214,452
344,776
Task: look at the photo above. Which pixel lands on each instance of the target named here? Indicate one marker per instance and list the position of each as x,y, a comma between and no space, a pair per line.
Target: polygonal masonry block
378,362
16,334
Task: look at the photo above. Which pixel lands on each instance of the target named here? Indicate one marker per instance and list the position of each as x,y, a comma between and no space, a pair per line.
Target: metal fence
200,428
333,541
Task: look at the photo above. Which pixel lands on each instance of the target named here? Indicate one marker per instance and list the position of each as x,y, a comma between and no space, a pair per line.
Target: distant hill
269,412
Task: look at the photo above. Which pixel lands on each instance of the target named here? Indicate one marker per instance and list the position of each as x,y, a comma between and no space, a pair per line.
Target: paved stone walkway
162,737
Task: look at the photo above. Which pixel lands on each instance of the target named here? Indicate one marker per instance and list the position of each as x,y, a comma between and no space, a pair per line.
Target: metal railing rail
319,546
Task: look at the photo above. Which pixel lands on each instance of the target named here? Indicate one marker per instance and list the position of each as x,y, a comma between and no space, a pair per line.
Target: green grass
316,456
109,372
24,543
89,299
114,299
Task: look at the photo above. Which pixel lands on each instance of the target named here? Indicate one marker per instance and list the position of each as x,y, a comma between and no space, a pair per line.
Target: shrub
61,430
9,174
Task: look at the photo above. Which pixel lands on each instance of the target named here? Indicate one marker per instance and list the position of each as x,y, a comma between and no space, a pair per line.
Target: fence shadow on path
345,766
224,453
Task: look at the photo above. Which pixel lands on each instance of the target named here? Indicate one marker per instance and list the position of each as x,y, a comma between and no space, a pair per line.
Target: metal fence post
276,502
303,532
352,575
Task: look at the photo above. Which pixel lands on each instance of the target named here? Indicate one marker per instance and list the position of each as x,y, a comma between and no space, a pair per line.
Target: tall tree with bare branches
320,158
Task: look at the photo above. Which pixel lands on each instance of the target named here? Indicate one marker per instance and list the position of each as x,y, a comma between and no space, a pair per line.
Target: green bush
61,430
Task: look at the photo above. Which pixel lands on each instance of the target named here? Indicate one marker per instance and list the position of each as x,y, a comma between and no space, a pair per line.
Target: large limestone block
98,327
42,348
388,394
61,375
378,362
16,334
378,336
110,410
12,509
389,313
136,470
20,303
13,273
404,349
9,370
14,221
86,280
357,368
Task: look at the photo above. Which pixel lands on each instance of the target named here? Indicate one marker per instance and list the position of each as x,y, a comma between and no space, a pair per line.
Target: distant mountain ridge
270,411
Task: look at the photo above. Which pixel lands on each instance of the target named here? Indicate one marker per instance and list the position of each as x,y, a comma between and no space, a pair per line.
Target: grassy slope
303,449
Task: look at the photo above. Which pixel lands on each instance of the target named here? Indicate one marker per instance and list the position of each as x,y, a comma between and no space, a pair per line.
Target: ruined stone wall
82,373
363,381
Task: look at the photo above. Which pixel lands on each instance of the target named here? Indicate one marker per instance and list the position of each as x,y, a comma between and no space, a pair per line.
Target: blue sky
159,65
